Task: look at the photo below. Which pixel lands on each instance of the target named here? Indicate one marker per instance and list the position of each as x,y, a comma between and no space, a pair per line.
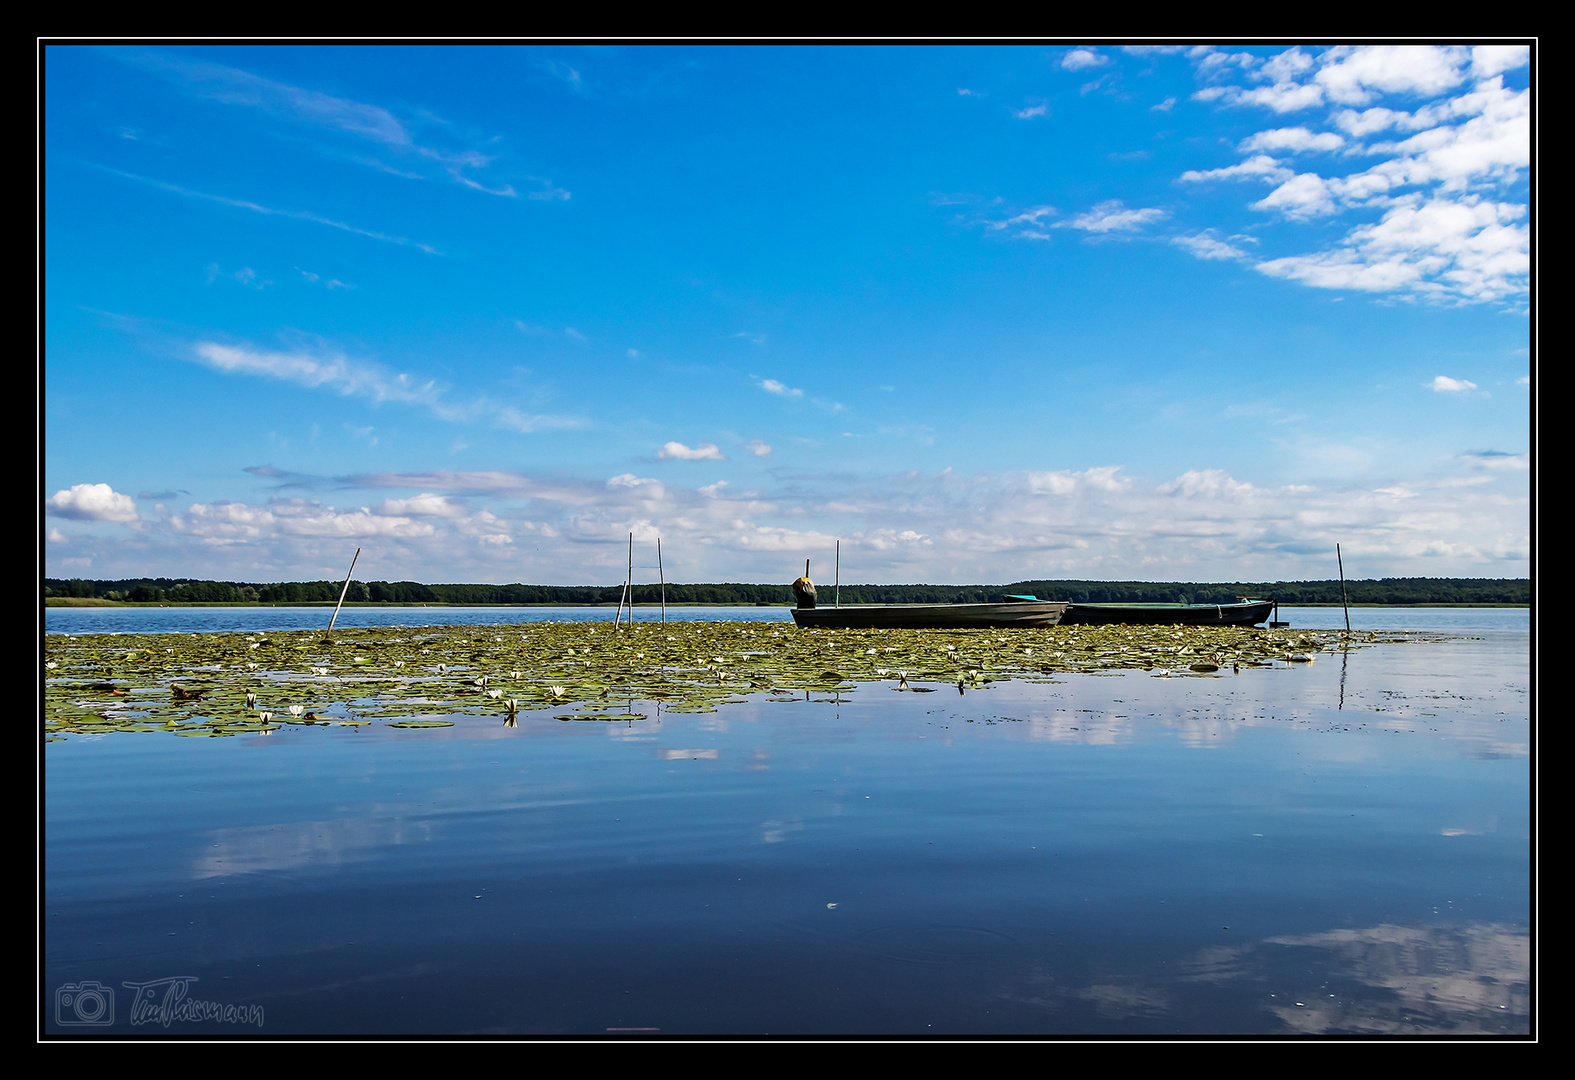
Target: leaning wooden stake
1343,601
343,591
836,596
631,579
662,578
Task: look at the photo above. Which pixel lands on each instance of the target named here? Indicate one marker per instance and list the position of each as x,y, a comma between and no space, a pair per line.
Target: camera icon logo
85,1004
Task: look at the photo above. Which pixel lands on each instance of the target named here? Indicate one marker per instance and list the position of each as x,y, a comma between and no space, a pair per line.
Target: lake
1337,848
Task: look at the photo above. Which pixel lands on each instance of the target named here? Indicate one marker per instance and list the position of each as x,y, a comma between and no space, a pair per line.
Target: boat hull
932,616
1246,614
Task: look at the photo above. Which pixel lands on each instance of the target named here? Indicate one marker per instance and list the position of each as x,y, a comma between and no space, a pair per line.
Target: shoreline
96,602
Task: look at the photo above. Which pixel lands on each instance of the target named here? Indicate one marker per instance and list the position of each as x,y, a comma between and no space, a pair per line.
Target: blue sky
982,313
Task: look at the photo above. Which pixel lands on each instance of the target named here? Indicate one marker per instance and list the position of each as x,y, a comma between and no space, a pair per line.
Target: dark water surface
1340,847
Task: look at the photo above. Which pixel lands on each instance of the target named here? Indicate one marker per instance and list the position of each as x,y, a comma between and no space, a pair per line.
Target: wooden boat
1010,613
1249,612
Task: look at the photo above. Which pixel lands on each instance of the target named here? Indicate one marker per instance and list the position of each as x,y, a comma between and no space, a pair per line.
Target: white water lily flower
494,694
558,691
511,705
297,710
251,699
265,717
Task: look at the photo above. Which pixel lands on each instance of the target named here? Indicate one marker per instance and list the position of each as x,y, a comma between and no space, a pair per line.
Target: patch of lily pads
233,684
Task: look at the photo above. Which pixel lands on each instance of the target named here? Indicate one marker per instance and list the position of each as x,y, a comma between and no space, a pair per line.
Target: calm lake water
1342,847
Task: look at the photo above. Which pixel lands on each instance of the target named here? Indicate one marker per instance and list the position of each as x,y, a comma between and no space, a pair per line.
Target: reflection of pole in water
1345,652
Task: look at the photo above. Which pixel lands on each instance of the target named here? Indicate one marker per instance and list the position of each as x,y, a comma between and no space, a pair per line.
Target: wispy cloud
1208,245
259,208
1113,216
1443,384
336,115
333,371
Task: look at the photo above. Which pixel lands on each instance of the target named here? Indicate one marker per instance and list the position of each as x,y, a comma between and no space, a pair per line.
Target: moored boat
1249,612
1012,613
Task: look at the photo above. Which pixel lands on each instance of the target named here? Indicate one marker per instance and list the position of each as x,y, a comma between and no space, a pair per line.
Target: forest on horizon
1290,593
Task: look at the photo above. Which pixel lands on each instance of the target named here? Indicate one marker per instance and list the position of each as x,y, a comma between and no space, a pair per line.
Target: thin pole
1343,601
631,579
662,578
343,591
836,597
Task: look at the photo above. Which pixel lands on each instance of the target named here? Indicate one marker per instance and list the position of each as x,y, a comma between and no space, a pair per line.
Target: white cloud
1258,167
1112,216
1207,484
1355,75
1064,482
1282,97
1297,140
423,505
1451,250
224,523
1448,233
1208,245
1083,60
1028,112
758,448
1206,523
1490,60
92,502
1302,196
703,452
1445,385
772,386
629,480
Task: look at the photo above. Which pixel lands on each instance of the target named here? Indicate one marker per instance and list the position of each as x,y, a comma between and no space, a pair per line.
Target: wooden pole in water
836,597
343,591
1343,601
631,579
662,578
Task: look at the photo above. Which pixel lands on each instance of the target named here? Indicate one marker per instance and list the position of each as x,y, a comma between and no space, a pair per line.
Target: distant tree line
1290,593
